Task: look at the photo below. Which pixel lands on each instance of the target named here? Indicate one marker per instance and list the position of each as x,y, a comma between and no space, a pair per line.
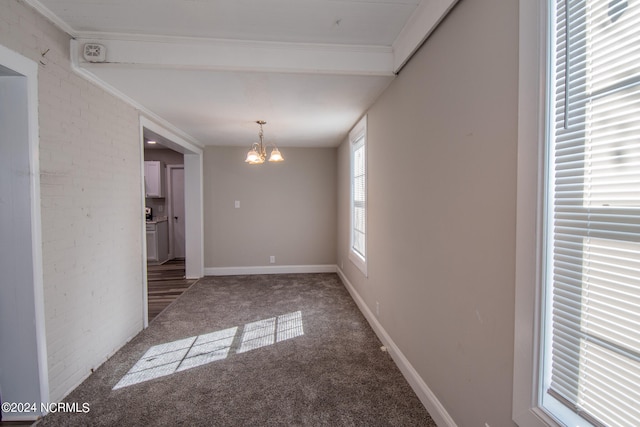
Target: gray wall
441,220
286,209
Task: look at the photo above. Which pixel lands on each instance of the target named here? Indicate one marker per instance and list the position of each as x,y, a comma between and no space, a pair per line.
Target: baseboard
9,418
269,269
92,370
426,396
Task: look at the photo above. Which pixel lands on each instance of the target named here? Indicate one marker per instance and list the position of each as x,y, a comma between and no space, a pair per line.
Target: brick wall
90,172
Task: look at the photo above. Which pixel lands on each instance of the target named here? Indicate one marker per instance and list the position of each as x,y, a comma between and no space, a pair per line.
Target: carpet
264,350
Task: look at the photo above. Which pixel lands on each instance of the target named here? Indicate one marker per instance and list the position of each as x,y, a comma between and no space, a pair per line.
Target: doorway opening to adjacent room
23,358
172,231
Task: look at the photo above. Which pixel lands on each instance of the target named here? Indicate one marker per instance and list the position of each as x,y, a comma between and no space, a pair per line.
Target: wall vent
94,52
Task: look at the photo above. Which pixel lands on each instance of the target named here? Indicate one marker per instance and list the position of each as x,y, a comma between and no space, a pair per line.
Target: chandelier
258,153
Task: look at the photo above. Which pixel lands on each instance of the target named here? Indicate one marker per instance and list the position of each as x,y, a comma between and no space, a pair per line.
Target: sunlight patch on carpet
176,356
269,331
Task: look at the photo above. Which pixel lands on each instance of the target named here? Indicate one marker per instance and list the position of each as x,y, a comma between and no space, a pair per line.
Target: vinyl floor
165,283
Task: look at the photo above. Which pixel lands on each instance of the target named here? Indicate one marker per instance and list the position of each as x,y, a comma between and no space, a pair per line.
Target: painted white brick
91,205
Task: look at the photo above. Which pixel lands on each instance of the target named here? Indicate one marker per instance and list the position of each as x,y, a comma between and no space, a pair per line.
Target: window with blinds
358,251
592,329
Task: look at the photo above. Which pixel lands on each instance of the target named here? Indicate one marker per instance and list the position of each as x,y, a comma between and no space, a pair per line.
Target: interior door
177,209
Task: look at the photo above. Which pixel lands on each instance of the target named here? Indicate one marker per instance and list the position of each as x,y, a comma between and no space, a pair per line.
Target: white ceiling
211,68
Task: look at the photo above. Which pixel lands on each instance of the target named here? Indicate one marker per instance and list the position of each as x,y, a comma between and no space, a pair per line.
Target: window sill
358,261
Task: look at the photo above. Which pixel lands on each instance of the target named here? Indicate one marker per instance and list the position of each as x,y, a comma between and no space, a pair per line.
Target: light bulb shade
253,157
276,156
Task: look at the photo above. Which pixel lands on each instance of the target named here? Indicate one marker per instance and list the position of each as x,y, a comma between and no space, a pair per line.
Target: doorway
164,206
190,217
23,359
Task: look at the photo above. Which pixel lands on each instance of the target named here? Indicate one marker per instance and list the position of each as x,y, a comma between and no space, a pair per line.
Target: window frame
529,290
357,134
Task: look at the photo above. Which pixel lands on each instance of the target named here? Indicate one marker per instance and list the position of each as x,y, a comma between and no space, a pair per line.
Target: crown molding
419,27
47,13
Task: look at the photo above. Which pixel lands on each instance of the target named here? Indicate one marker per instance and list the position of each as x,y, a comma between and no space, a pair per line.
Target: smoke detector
94,52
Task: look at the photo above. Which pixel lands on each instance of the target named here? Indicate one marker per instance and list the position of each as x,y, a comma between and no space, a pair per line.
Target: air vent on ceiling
94,52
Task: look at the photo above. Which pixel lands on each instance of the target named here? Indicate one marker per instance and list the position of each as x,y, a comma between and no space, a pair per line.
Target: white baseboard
269,269
8,418
92,370
426,396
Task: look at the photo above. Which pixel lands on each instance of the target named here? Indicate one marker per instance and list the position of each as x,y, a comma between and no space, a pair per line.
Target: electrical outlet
272,259
237,204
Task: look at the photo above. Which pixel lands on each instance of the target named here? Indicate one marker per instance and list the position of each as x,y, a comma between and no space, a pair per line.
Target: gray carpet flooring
265,350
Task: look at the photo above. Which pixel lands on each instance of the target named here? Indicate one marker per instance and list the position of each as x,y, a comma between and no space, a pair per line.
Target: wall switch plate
377,308
272,259
237,204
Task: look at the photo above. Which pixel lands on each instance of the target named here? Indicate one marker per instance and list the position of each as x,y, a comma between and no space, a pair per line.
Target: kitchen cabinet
154,176
158,241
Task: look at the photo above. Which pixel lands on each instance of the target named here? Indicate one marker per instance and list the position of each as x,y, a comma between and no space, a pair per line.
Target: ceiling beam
269,56
186,140
235,55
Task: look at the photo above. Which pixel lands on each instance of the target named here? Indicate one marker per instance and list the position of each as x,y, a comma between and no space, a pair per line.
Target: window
358,244
590,358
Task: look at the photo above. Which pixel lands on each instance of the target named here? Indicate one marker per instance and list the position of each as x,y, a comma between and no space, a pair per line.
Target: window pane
359,219
594,213
612,149
358,161
358,195
359,189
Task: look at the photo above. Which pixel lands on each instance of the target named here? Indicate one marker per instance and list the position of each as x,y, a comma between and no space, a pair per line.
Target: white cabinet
154,173
152,244
158,241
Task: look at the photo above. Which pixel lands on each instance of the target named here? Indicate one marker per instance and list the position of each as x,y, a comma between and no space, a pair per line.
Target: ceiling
208,69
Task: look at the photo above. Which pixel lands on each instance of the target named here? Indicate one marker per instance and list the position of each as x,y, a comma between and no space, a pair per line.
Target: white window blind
358,141
359,198
592,350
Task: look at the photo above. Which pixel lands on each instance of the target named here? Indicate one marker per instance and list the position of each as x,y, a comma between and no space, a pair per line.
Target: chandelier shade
276,156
